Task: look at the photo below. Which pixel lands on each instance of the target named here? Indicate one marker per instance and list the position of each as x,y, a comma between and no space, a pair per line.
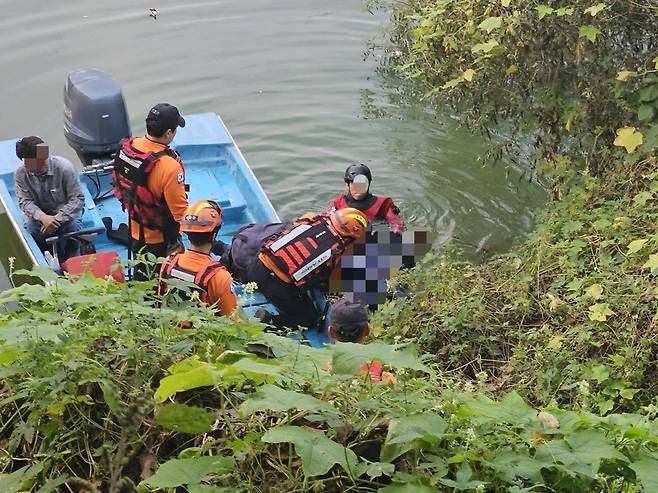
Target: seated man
201,223
299,257
357,179
49,194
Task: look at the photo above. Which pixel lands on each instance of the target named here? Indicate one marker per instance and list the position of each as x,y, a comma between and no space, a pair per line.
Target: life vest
374,211
300,252
247,243
170,269
129,179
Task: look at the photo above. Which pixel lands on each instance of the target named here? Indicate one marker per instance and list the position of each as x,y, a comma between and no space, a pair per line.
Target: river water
293,84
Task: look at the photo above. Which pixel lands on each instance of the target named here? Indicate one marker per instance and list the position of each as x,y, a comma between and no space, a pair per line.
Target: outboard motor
95,116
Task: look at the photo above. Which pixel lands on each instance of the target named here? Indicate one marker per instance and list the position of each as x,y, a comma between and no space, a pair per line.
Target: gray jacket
57,192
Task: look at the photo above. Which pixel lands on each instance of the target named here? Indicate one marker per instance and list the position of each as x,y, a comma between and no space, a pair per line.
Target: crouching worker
301,257
348,322
201,223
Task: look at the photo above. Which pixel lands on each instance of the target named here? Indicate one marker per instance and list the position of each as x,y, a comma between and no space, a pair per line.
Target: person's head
349,222
162,122
348,322
357,179
201,222
34,153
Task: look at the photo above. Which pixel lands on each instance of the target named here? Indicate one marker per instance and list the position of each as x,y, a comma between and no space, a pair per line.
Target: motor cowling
95,116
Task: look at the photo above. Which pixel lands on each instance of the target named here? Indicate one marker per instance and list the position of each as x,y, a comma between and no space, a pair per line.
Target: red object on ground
374,368
99,264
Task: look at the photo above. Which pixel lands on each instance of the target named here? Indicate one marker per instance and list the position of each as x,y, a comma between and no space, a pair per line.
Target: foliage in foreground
101,391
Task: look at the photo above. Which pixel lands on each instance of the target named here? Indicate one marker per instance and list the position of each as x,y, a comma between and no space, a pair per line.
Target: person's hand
49,224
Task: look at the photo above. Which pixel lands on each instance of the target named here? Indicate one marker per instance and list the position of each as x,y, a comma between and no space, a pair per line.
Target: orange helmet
349,222
203,216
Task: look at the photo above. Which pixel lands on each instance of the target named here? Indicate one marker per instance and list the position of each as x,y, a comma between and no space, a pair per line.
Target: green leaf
561,12
641,198
601,224
110,396
179,472
11,483
201,376
512,409
646,113
629,138
452,83
594,291
318,453
600,312
649,94
485,47
378,469
511,464
349,357
628,393
270,397
590,32
544,10
185,419
600,373
571,227
463,479
407,488
635,246
582,451
652,263
594,9
646,470
624,75
468,75
416,426
46,274
491,23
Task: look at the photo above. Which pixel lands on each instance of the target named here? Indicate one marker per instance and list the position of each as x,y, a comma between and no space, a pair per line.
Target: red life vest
170,269
129,179
376,211
301,251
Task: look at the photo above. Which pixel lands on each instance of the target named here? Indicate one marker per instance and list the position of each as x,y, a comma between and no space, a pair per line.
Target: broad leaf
590,32
594,9
544,10
624,75
646,113
491,23
185,419
416,426
635,246
12,483
594,291
599,312
270,397
628,138
463,479
646,470
485,47
349,357
468,75
407,488
511,464
318,453
179,472
652,263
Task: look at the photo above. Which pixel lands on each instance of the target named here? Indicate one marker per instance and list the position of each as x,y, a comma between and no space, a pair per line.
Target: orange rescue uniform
167,181
219,287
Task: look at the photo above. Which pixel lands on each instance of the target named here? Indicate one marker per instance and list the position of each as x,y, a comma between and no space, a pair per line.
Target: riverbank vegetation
535,371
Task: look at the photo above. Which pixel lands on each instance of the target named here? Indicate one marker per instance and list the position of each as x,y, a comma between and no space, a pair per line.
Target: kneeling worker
201,223
301,257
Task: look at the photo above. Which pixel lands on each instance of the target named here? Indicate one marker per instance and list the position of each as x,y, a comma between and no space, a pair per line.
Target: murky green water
289,79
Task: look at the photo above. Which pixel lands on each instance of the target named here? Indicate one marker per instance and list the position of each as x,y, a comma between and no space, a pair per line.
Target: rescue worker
49,194
357,179
149,180
298,258
348,322
201,223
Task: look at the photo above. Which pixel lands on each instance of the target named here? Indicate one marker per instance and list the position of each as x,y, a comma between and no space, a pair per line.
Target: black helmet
355,170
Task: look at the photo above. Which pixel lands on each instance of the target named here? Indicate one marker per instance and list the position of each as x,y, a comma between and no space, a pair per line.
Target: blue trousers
66,249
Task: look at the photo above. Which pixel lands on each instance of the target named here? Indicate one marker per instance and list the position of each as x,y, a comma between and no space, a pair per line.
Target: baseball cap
166,115
345,313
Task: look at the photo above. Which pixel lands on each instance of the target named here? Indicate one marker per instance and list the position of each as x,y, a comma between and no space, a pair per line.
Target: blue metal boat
215,169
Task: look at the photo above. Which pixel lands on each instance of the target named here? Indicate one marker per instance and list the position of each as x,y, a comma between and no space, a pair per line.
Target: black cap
354,170
166,116
345,313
